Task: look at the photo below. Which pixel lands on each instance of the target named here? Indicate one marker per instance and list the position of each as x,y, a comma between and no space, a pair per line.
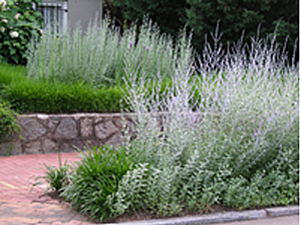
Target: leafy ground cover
237,145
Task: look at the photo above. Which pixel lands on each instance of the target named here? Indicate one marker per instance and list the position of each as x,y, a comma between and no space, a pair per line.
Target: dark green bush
26,95
245,15
202,16
170,15
8,123
30,96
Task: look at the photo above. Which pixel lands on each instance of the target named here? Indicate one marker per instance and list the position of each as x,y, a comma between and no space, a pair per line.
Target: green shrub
95,178
27,95
170,15
31,96
8,123
19,22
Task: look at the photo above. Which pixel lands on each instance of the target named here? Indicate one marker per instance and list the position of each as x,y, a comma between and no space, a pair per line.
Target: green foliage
32,96
201,16
19,22
96,177
26,95
169,15
262,190
9,73
56,178
8,123
238,16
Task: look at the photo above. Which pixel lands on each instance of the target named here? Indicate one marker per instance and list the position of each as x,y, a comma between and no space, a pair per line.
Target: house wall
83,11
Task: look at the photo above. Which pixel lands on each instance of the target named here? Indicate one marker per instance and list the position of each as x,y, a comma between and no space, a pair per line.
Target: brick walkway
22,205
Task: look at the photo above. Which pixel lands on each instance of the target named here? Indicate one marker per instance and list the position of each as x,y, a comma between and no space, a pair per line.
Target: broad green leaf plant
19,22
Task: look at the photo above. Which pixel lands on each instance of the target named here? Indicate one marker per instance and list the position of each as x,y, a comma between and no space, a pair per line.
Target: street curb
282,211
220,217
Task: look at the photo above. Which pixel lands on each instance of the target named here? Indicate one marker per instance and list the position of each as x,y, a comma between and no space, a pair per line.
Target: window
54,12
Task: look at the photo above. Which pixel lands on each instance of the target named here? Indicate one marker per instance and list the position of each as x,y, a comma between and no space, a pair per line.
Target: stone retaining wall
50,133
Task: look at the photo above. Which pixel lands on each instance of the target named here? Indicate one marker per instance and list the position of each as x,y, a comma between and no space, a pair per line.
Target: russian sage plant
96,56
234,142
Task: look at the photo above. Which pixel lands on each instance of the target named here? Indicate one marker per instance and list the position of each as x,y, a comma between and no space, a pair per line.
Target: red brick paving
22,205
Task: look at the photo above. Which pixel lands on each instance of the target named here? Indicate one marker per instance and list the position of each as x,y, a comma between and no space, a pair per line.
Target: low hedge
27,95
35,97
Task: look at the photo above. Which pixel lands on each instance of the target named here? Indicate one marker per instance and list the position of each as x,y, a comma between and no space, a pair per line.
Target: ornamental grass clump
96,56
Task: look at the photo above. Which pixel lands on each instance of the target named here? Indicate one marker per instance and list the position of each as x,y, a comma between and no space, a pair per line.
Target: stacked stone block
52,133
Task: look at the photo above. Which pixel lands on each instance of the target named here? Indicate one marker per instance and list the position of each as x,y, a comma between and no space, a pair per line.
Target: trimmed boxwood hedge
27,95
35,97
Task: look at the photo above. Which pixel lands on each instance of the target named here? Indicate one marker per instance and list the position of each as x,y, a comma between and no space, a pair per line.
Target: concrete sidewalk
19,205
